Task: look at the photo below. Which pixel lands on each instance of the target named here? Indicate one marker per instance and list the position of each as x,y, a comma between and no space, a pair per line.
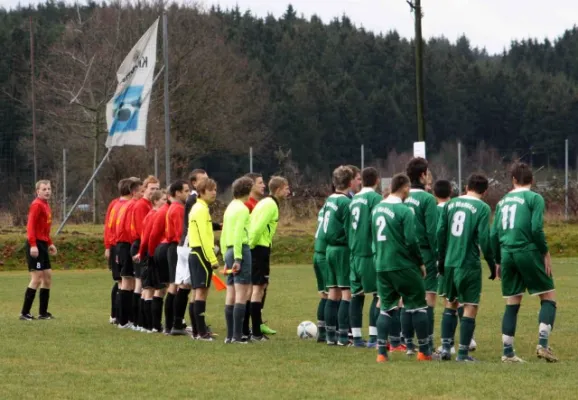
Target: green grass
79,355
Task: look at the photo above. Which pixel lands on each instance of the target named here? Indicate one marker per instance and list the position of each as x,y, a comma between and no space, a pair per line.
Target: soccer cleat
546,354
128,325
452,350
266,330
410,352
135,328
234,341
262,338
473,345
382,358
466,359
360,344
228,340
189,330
111,320
155,331
27,317
372,345
445,355
332,343
514,359
422,357
206,337
398,349
178,332
45,316
210,332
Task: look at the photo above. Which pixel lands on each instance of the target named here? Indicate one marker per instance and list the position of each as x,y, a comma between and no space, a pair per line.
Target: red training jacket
108,223
158,229
39,221
123,223
139,212
251,203
174,223
146,232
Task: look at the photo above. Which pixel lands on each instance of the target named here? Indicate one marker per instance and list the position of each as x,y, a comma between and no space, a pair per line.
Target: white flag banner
127,111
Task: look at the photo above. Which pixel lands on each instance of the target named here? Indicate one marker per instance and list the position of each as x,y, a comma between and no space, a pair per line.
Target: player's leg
407,330
369,283
265,262
344,284
468,282
373,316
30,293
147,297
44,295
127,286
183,290
161,277
230,309
512,290
115,287
357,300
137,301
389,300
201,281
243,289
431,287
320,269
449,317
172,259
259,279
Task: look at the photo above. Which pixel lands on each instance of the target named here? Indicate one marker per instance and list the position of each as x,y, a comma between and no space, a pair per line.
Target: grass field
79,355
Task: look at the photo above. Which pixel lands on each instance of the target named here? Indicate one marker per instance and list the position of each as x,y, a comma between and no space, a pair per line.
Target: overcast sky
487,23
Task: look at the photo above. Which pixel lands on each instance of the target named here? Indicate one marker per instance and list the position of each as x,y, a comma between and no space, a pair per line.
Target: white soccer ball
307,330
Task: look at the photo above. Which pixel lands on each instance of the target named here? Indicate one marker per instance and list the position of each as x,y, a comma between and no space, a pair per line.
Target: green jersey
235,230
424,207
463,228
394,238
360,224
519,223
320,243
336,219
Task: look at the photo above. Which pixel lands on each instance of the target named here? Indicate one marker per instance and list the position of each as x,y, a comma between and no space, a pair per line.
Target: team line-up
405,250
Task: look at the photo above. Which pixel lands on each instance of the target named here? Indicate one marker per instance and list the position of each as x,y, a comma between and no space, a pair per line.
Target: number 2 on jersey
355,221
509,216
380,222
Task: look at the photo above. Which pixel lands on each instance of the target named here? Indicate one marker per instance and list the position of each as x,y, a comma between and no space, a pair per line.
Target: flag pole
166,101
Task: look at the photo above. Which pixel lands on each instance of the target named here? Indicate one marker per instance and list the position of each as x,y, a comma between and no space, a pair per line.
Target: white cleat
452,351
111,320
128,325
512,360
473,345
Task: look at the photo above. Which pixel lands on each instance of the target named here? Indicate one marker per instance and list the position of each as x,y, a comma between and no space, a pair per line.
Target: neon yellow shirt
235,228
201,230
263,222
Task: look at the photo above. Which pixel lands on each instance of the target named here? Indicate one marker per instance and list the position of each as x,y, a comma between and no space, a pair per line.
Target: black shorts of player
125,260
261,265
150,275
40,263
162,263
134,248
113,264
172,258
200,269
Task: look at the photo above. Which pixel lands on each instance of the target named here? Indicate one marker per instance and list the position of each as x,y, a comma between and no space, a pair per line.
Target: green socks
373,316
431,322
407,328
546,321
421,326
356,317
395,328
321,319
448,331
343,321
382,332
331,310
509,329
467,327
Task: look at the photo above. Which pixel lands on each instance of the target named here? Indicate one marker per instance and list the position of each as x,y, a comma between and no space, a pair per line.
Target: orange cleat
423,357
399,349
381,358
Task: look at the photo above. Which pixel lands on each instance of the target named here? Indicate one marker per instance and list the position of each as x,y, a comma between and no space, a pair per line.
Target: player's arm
33,216
139,214
484,240
260,218
410,237
107,220
431,222
495,235
538,236
239,234
346,218
442,238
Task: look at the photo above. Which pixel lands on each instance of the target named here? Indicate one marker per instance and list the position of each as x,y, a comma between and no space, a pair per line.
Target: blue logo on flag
126,109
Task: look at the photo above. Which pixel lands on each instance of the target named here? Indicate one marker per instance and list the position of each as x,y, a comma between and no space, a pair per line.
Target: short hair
369,177
134,185
277,182
42,182
125,187
416,167
253,176
478,183
398,182
342,177
354,169
208,184
157,195
242,187
522,173
177,186
442,189
194,173
150,180
120,183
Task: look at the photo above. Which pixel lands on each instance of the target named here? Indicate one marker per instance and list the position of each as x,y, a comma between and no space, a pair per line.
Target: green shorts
362,275
463,285
441,286
524,271
337,267
404,283
320,268
431,270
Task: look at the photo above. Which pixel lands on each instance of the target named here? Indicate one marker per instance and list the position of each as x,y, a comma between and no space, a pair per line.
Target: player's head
521,174
242,187
43,189
416,171
342,177
207,190
278,187
370,177
477,183
400,186
355,184
158,198
136,188
195,176
151,184
442,189
120,185
179,190
258,189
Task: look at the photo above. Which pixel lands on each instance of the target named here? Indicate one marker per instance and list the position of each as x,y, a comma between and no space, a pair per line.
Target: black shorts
172,259
138,267
113,264
261,265
200,269
125,260
162,263
150,275
41,262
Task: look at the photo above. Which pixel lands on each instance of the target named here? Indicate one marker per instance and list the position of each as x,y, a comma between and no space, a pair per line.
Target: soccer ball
307,330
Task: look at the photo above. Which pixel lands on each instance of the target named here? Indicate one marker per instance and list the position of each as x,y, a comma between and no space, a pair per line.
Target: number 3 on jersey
380,222
355,214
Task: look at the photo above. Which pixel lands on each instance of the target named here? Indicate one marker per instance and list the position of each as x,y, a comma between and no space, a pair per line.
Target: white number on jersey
380,222
326,220
508,216
319,225
458,223
355,213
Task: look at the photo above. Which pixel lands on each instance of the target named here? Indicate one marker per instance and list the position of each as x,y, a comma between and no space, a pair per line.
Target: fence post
566,180
362,156
459,168
63,183
251,159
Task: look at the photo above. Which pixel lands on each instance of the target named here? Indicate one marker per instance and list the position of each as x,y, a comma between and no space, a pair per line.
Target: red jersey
174,223
158,229
251,203
112,221
139,212
146,232
123,223
108,224
39,221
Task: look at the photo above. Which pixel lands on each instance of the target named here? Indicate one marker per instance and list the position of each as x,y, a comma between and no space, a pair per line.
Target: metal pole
84,190
63,183
156,162
34,154
416,7
166,101
362,157
459,168
566,181
251,159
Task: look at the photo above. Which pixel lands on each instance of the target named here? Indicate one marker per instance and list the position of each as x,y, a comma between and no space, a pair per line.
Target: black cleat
26,317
